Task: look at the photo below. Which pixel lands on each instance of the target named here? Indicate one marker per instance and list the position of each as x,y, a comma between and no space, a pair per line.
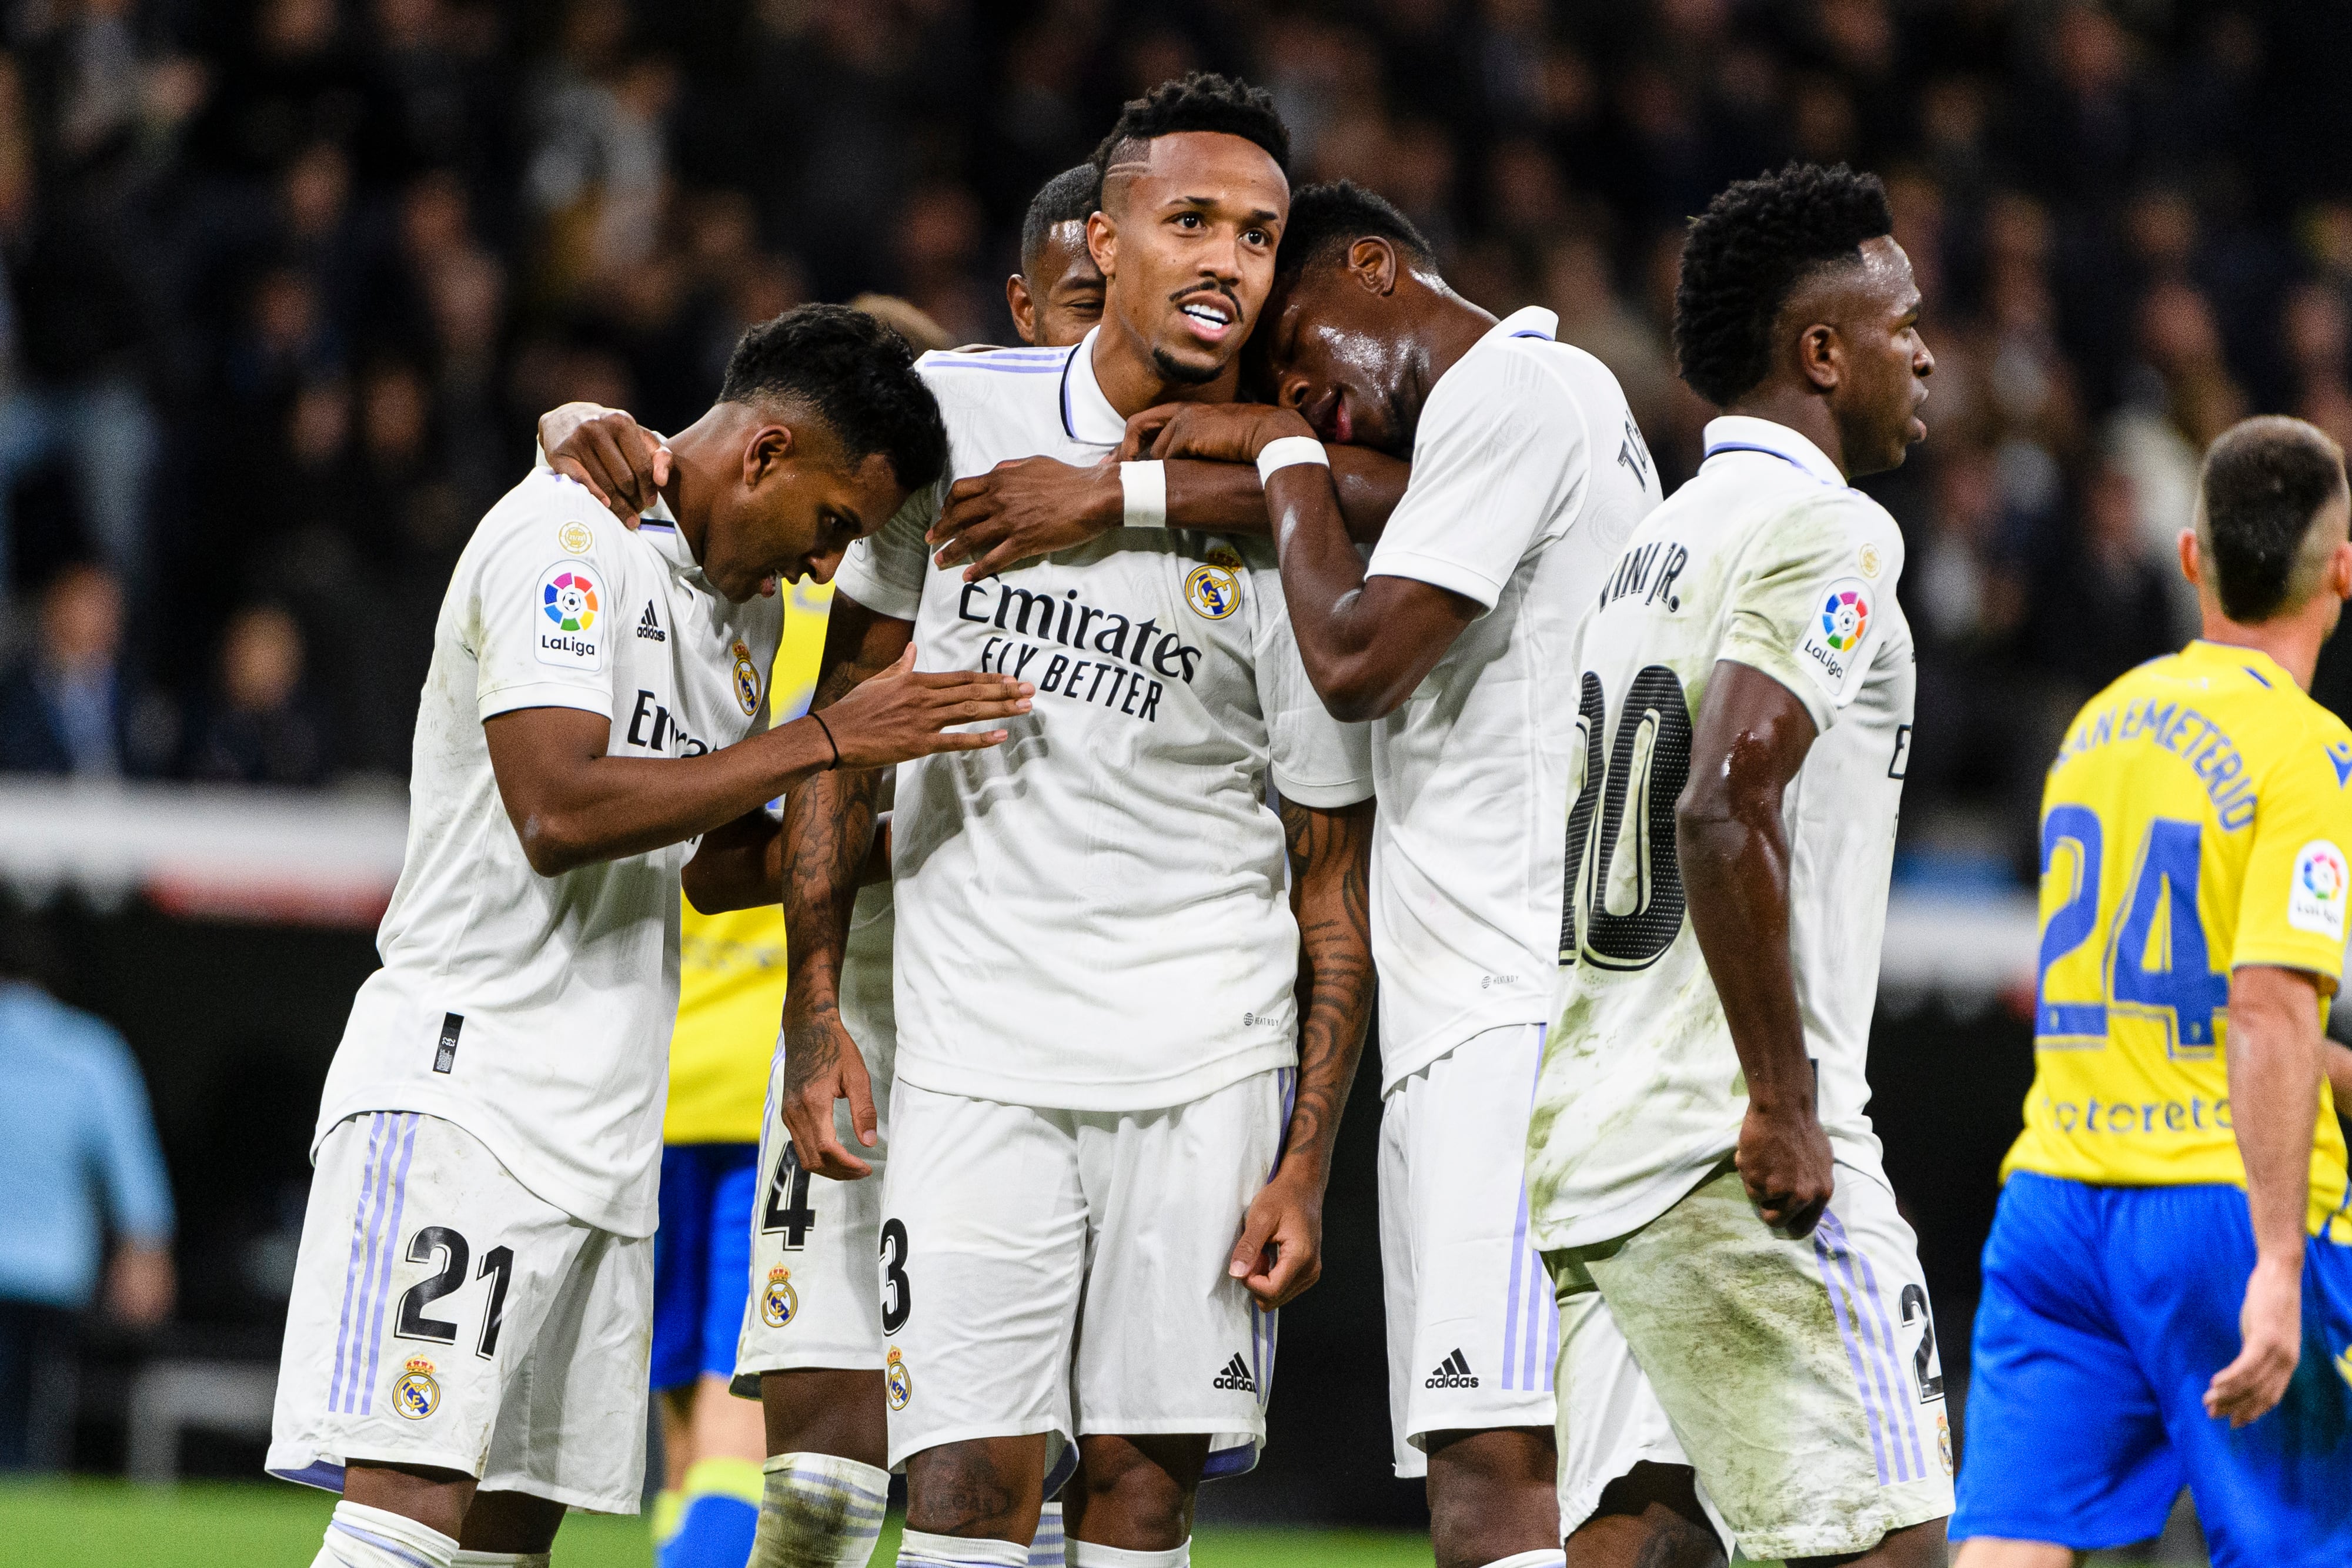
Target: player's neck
1449,327
1132,381
1802,409
691,482
2292,642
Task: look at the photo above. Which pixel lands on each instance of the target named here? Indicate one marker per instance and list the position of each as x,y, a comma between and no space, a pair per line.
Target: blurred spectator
262,726
80,1164
70,707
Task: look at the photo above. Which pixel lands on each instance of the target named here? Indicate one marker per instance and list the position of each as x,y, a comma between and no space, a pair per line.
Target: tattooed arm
828,828
1280,1252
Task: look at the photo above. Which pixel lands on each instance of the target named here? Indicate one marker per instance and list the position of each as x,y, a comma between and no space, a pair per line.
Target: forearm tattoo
1330,857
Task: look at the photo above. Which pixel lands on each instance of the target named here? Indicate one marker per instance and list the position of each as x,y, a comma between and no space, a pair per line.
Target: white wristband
1144,486
1288,451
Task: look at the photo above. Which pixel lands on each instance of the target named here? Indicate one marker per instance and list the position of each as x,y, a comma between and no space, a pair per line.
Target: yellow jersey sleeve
731,967
2291,908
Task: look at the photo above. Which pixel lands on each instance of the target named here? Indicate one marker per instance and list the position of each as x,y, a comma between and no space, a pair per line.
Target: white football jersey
535,1011
1768,559
1528,475
1093,915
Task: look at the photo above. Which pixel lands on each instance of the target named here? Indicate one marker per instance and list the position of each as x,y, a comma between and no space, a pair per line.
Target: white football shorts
1800,1376
443,1315
1063,1272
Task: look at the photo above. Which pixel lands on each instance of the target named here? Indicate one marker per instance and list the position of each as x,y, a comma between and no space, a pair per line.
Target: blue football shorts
702,1259
2106,1310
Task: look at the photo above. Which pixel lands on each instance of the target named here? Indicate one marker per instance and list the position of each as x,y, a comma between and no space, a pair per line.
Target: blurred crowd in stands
286,280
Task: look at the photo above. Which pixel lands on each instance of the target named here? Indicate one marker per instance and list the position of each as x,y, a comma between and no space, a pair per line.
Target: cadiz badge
779,1303
898,1380
416,1395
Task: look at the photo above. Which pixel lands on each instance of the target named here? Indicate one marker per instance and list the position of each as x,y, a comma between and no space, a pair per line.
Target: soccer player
1100,987
1057,297
1528,474
2167,1286
464,1347
1699,1154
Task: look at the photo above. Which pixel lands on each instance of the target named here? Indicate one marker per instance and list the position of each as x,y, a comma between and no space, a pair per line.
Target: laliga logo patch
414,1395
779,1303
568,610
1834,634
747,679
898,1380
2315,897
1213,590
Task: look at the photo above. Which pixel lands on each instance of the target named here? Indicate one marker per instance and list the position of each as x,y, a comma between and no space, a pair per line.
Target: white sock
1093,1554
819,1511
1045,1546
1552,1557
359,1536
500,1559
921,1547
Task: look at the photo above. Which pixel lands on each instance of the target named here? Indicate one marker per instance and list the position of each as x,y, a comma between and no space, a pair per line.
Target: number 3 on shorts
897,1293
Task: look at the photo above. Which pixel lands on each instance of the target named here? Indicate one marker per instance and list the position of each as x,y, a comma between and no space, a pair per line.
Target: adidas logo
1236,1374
650,628
1453,1372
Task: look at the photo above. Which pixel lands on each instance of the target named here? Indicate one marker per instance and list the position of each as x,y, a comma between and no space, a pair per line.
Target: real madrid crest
414,1395
575,537
779,1303
1213,591
898,1380
747,680
1944,1441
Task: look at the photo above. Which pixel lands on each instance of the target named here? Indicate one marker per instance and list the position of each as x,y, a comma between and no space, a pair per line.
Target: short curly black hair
1069,197
1326,219
1745,255
2258,502
1203,100
856,373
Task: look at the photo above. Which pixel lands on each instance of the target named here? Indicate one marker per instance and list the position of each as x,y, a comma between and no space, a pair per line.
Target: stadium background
286,281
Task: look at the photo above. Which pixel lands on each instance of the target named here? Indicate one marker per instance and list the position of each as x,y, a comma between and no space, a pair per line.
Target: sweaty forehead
1211,164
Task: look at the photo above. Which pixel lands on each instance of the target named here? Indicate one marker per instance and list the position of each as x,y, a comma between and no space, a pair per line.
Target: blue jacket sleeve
131,1161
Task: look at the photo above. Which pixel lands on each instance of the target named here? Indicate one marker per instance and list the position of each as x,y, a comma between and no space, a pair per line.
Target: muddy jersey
1766,558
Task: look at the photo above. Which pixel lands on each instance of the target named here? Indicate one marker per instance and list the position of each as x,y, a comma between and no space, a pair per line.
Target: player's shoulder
2293,732
552,514
990,397
1811,524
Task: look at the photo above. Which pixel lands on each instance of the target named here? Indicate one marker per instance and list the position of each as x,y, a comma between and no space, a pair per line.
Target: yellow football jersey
2194,821
730,967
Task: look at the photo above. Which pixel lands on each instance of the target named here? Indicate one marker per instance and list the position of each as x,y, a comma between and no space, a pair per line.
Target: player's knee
973,1488
1491,1496
1136,1493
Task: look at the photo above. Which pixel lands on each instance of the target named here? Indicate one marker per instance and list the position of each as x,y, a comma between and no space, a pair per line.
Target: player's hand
1280,1252
1784,1162
823,1064
1025,508
903,713
2270,1325
621,463
1212,432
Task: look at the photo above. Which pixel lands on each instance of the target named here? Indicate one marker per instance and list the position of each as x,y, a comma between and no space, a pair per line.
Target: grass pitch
234,1524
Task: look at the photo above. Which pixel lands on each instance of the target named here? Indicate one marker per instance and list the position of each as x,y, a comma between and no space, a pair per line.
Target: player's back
1765,558
2194,821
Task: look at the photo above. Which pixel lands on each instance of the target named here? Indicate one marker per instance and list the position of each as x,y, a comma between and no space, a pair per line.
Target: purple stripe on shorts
1511,1296
409,1122
352,1271
1518,1308
365,1223
1903,1401
1838,1305
1878,1348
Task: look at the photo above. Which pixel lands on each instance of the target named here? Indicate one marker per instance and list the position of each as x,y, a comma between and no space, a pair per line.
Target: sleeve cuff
1328,796
543,694
2320,958
882,598
1773,662
1438,572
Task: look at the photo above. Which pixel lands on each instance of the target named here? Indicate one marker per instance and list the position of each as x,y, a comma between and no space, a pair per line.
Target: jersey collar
1087,414
1534,321
2253,661
1745,433
658,525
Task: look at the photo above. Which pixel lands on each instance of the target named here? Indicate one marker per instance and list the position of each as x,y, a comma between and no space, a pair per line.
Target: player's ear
1821,355
1102,242
2191,563
1373,260
1023,309
2339,571
766,452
